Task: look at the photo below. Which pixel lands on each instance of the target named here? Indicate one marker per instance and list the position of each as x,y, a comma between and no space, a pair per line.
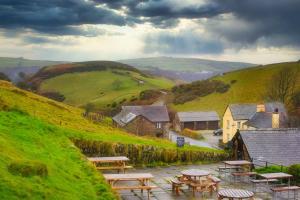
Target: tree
282,85
4,77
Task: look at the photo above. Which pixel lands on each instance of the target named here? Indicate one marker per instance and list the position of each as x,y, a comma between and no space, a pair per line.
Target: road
173,136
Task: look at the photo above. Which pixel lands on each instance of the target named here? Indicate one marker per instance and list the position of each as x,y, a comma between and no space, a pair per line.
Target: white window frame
158,125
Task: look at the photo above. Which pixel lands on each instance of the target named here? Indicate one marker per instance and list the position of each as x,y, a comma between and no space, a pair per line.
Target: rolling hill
188,69
249,86
101,82
13,66
42,141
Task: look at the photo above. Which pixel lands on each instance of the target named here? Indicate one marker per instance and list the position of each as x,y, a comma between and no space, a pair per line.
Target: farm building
196,121
143,120
278,146
251,117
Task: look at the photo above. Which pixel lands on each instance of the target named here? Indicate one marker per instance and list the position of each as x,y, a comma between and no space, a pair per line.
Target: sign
180,141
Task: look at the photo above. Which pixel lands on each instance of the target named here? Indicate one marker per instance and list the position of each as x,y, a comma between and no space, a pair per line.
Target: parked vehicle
218,132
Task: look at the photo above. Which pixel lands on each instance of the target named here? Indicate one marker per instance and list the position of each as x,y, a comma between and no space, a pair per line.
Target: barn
197,121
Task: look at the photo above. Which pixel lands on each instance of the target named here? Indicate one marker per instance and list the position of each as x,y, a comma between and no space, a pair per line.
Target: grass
99,88
38,161
250,87
71,118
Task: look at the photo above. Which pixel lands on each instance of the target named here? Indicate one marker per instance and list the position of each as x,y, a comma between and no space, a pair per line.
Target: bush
233,81
27,169
189,92
4,77
54,96
146,154
295,171
271,169
192,134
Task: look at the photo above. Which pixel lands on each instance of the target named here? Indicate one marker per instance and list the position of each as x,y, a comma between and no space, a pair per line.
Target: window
238,125
158,125
228,124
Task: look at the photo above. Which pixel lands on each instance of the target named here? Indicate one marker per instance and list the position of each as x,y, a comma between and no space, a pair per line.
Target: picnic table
193,174
279,175
236,165
141,178
118,163
235,194
193,178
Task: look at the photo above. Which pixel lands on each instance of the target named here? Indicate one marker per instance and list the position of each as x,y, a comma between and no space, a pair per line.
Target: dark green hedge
147,155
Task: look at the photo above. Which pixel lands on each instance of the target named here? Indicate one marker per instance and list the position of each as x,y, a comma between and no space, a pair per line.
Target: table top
275,175
135,176
237,162
195,172
108,159
235,193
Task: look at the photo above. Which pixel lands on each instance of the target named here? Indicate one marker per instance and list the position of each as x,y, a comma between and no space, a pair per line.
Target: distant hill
188,69
13,66
246,86
102,83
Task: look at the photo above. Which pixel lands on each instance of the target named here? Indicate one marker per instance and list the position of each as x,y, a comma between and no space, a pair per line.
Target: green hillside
101,87
7,62
250,87
40,142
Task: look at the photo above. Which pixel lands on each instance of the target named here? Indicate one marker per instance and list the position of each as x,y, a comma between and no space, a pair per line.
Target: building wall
142,127
230,126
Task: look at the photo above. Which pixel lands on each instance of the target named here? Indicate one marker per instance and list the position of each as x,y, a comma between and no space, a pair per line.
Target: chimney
275,119
260,107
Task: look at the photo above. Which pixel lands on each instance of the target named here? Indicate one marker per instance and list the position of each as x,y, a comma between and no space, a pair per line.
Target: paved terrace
164,192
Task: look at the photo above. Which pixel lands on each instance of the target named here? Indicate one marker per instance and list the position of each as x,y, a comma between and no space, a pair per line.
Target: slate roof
198,116
152,113
264,120
247,111
279,146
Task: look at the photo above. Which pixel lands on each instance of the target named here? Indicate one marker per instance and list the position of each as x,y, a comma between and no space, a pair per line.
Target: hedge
146,154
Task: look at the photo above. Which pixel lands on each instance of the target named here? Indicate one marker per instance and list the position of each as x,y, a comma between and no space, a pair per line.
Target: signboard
180,141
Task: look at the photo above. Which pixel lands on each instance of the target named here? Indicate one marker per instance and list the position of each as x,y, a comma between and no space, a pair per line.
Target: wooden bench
176,185
136,187
255,182
228,167
243,174
114,168
276,190
216,181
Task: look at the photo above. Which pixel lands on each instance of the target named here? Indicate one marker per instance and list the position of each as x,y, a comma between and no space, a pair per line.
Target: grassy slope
71,118
250,88
6,62
97,87
24,139
42,135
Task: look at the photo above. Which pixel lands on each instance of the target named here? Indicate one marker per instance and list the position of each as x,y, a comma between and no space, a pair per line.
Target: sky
256,31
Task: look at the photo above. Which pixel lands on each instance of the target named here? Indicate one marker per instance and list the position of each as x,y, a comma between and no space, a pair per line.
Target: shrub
146,154
295,171
4,77
271,169
192,134
54,95
233,81
27,169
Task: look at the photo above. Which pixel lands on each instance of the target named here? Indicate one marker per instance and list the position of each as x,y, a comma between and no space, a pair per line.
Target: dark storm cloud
274,23
54,16
181,43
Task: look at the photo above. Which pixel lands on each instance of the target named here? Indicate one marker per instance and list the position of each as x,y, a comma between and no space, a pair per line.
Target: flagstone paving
164,192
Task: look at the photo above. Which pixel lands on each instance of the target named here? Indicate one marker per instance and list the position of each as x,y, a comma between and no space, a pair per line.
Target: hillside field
102,87
40,160
250,87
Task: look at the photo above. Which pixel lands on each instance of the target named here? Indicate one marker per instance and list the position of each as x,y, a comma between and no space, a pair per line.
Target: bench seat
114,167
264,180
244,173
287,188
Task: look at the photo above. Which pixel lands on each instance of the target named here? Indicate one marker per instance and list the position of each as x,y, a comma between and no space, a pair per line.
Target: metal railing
265,163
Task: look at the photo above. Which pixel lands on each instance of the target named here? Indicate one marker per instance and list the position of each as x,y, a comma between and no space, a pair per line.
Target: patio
164,190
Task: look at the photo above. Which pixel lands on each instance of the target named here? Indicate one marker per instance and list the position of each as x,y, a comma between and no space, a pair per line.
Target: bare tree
282,85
